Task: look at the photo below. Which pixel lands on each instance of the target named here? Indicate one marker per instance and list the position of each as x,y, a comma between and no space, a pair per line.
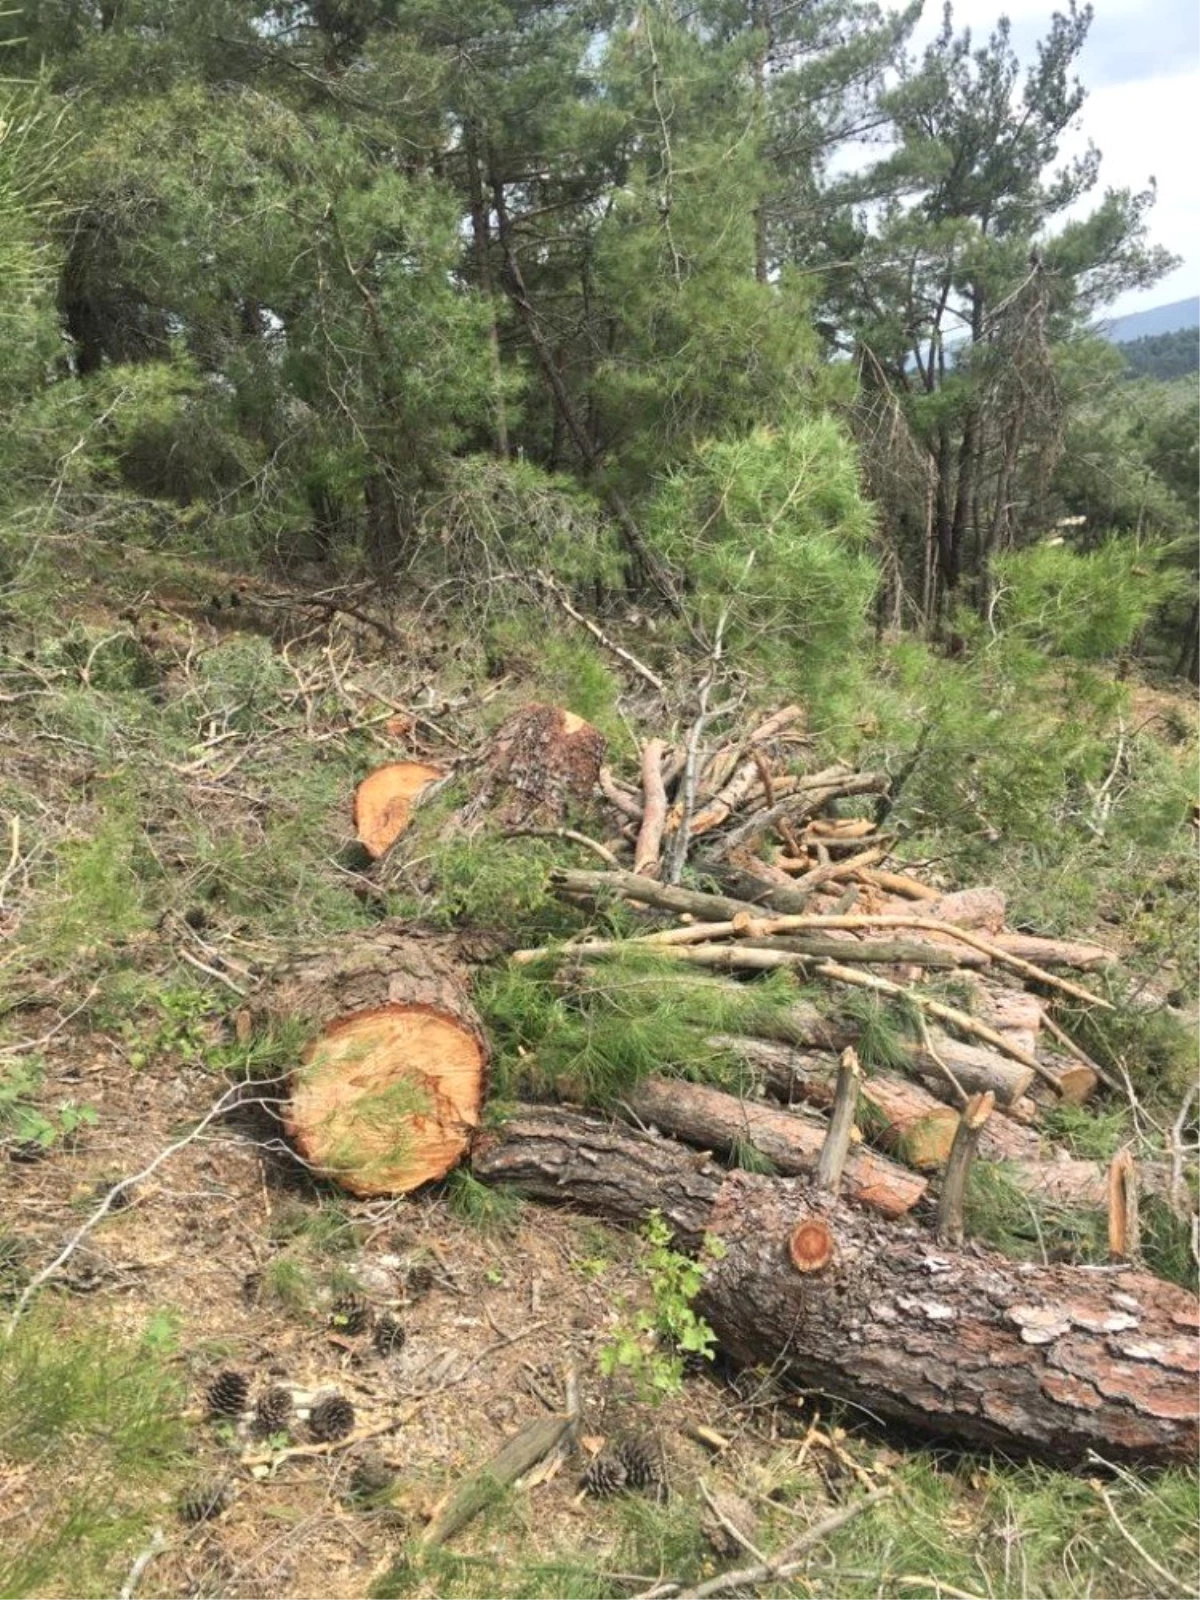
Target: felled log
1051,1362
388,1090
907,1121
539,764
383,803
901,1117
1056,952
713,1120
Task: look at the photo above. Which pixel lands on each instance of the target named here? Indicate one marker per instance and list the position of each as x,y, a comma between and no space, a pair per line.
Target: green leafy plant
24,1120
652,1344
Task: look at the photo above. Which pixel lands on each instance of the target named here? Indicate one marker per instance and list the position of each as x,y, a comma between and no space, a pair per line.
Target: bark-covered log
977,1069
908,1122
1051,1361
716,1121
388,1090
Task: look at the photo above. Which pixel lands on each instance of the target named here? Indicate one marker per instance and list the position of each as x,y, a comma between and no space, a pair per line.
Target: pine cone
274,1410
641,1456
371,1476
389,1335
420,1279
606,1474
203,1502
228,1393
332,1418
351,1314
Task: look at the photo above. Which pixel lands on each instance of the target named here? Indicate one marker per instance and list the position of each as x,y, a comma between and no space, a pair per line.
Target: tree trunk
481,248
712,1120
388,1091
1053,1362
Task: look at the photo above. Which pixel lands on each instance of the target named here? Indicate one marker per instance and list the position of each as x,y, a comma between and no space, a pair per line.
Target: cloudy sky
1141,66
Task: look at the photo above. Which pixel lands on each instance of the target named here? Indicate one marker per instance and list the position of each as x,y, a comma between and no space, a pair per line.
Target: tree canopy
326,278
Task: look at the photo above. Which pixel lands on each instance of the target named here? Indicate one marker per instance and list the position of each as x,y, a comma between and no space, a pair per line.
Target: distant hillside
1165,356
1146,324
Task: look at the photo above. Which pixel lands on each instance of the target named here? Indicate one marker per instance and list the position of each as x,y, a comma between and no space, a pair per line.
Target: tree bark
388,1091
1052,1362
539,763
713,1120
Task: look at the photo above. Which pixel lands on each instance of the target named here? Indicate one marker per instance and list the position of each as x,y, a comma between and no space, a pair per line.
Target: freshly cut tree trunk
388,1091
717,1121
540,763
383,803
1052,1361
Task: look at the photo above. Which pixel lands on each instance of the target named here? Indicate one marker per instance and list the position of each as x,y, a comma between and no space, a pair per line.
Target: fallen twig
158,1543
1175,1585
570,834
231,1097
783,1565
643,671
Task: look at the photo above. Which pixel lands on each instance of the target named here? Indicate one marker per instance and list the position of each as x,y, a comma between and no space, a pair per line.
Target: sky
1141,66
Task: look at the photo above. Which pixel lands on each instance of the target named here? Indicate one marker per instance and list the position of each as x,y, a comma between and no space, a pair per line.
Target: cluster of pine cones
634,1462
228,1395
351,1314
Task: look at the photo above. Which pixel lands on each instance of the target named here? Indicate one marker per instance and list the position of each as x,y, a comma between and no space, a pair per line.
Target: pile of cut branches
797,879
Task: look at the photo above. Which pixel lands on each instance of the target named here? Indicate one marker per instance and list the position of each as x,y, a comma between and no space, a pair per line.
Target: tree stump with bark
539,765
388,1091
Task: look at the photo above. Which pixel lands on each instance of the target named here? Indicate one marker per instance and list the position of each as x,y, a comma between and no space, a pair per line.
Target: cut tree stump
539,766
1053,1362
388,1091
383,803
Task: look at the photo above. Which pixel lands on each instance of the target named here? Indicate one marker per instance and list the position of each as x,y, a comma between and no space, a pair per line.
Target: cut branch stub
383,803
389,1090
810,1245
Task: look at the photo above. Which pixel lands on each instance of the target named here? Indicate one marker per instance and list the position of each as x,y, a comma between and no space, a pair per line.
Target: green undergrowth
970,1527
90,1434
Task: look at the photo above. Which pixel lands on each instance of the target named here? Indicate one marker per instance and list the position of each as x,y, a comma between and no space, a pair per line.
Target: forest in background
1163,355
418,288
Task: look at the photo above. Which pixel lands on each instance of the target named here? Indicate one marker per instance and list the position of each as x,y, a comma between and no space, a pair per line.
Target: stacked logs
804,882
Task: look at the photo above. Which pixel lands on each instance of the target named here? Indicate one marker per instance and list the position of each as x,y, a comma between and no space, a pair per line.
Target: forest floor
176,766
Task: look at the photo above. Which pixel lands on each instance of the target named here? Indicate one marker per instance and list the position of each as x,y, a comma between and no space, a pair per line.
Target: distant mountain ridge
1145,324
